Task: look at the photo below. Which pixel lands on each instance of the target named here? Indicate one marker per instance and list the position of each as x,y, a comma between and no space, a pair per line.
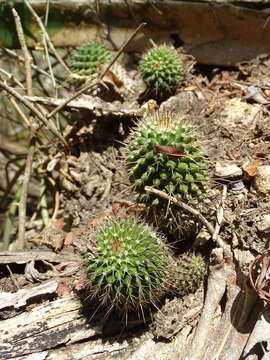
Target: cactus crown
164,154
129,266
190,273
86,59
161,69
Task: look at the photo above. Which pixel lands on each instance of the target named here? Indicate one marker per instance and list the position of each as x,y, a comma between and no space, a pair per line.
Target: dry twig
30,157
13,55
31,107
26,55
45,34
192,211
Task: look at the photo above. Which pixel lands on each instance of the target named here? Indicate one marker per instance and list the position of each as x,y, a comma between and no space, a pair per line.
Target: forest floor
42,313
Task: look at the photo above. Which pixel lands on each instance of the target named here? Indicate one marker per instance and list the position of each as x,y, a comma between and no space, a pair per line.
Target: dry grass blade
259,275
42,27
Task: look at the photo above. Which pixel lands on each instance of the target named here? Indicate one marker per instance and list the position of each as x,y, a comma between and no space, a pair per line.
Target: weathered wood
44,327
21,297
25,256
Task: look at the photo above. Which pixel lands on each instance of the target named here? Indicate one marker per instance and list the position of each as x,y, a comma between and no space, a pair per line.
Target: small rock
262,179
264,223
181,103
227,171
202,237
237,113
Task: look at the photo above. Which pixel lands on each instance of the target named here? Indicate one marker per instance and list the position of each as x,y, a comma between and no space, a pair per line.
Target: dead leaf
267,92
191,88
261,155
63,288
129,207
97,220
111,78
68,239
170,151
250,168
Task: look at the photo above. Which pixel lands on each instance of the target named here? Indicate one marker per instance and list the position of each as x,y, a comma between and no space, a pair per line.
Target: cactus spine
86,59
161,68
190,273
164,154
130,265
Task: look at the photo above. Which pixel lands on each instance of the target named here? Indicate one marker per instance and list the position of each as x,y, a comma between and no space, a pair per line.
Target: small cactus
129,265
86,59
164,154
161,68
190,273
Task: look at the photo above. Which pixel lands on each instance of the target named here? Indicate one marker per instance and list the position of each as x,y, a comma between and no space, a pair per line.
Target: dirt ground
229,109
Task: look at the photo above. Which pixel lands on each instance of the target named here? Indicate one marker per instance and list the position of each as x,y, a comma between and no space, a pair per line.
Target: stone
264,223
238,113
262,179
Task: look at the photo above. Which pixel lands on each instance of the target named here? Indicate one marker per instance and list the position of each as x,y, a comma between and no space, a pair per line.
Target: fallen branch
94,105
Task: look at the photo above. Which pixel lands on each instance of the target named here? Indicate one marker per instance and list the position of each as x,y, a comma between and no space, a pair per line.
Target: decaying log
20,298
44,327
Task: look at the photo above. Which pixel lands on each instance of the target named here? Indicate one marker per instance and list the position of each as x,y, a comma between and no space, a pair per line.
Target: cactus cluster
161,68
86,59
164,154
190,273
129,266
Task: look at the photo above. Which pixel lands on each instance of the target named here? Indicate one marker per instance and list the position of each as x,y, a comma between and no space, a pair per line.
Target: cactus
164,154
161,68
129,266
190,273
86,59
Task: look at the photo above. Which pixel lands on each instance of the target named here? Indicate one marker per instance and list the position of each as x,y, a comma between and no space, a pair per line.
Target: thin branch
20,112
99,80
192,211
26,55
13,55
220,214
42,27
184,206
30,106
22,205
12,78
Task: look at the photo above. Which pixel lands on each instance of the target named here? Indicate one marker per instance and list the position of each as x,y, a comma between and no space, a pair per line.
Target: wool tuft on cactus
190,273
161,68
129,265
86,59
164,154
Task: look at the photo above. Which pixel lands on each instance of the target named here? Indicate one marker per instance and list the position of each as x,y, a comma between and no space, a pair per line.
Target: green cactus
190,273
164,154
161,68
129,265
86,59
